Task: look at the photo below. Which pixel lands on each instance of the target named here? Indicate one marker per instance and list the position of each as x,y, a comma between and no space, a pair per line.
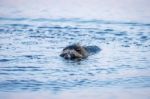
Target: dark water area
30,61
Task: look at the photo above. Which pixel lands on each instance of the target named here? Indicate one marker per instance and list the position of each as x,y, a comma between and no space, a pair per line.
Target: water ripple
30,48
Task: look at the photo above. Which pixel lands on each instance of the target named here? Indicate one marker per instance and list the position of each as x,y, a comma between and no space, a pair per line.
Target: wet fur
76,51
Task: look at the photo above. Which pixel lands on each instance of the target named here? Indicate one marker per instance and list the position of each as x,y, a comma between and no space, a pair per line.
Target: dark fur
76,51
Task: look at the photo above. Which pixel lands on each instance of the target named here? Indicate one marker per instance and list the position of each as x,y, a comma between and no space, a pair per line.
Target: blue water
30,48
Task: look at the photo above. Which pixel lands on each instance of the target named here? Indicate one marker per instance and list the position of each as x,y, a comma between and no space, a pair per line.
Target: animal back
92,49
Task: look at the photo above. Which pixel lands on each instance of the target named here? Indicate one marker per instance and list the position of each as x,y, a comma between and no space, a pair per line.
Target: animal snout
67,56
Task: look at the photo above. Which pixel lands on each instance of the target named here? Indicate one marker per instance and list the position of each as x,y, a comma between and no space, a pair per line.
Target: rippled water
30,48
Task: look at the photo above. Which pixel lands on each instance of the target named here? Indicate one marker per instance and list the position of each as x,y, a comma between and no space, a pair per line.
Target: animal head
75,51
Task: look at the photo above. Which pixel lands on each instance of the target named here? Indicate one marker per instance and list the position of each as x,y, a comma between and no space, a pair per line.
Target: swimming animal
76,51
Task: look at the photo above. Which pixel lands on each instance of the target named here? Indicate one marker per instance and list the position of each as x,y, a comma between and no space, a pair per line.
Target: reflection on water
30,48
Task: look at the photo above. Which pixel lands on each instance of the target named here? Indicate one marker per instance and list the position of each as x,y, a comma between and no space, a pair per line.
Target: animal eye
77,49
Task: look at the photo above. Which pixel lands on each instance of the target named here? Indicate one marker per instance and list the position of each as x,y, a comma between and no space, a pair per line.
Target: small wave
32,56
5,60
108,30
76,20
19,25
120,34
10,70
13,19
57,85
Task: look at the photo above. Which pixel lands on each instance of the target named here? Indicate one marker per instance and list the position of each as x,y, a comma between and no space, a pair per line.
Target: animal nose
67,56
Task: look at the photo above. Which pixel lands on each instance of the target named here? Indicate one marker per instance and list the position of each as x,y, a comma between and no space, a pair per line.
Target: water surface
30,62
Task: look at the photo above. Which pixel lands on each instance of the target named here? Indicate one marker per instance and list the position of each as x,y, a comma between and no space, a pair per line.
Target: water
33,34
30,62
